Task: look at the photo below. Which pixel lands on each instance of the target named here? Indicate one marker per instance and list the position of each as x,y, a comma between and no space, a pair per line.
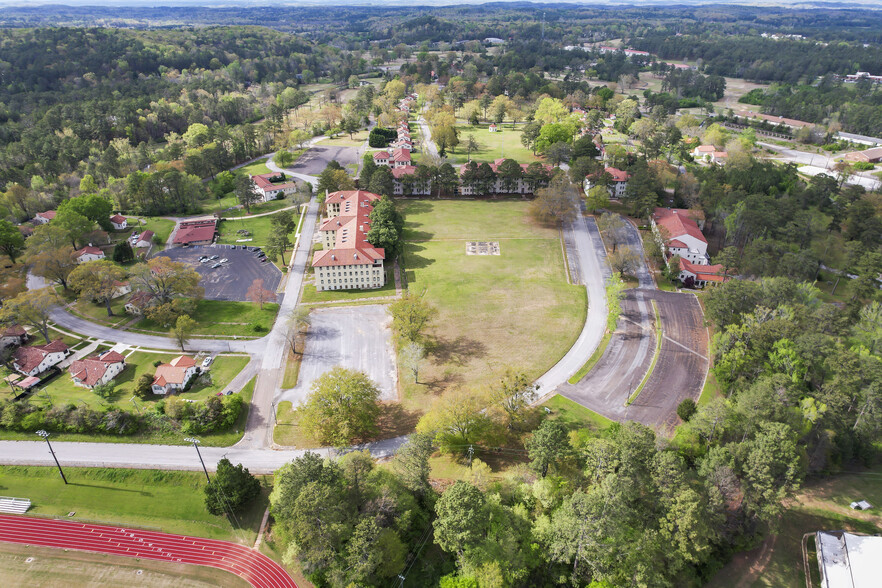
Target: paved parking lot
354,337
232,280
317,158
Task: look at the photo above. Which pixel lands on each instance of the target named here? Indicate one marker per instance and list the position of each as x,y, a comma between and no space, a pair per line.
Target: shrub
863,166
686,409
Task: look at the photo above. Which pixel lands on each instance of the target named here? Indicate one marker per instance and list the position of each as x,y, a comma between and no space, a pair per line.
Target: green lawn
259,228
574,415
822,505
98,312
172,502
258,167
213,205
310,294
710,391
504,143
343,140
224,318
271,206
513,310
160,226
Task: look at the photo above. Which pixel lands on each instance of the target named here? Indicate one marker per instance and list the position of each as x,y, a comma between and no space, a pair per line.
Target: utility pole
471,453
45,436
195,443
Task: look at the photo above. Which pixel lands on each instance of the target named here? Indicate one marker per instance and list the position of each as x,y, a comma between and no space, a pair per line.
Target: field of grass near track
172,502
821,505
224,318
56,567
513,310
505,143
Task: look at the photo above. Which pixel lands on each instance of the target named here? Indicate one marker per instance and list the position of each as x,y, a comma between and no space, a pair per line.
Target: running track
259,570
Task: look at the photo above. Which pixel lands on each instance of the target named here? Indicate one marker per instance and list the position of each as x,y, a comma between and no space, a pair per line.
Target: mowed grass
224,318
162,227
172,502
493,312
822,505
343,140
98,312
56,567
504,143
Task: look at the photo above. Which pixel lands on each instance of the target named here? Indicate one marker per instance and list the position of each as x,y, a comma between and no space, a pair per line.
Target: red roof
194,231
183,361
141,299
706,273
406,170
118,219
381,155
28,358
677,222
350,229
88,250
617,174
145,236
401,155
706,148
263,182
90,370
49,214
676,243
14,331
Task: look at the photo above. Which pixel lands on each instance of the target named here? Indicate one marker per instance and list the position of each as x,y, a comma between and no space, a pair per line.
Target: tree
283,158
343,405
446,179
446,139
472,144
49,253
770,466
277,243
411,314
510,173
457,420
728,258
686,409
298,323
530,134
245,192
548,446
258,294
334,179
550,110
624,261
412,353
231,489
411,463
30,308
558,153
373,553
552,133
299,138
92,206
382,181
104,391
184,326
144,386
74,224
98,280
556,204
11,239
461,519
122,252
584,147
386,226
513,395
597,197
168,312
166,279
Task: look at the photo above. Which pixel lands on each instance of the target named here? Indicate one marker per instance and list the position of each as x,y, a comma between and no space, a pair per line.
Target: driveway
354,337
232,280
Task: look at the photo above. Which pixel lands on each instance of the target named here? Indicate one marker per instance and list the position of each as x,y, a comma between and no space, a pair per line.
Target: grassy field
172,502
56,567
494,312
505,143
97,313
310,294
224,318
575,416
292,370
160,226
262,208
259,227
258,167
822,505
343,140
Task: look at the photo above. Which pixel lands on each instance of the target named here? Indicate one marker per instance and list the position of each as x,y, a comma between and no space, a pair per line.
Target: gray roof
861,138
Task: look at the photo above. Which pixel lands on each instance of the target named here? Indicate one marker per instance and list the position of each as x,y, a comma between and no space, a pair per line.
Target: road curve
249,564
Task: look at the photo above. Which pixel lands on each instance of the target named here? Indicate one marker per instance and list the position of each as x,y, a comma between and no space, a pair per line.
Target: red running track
259,570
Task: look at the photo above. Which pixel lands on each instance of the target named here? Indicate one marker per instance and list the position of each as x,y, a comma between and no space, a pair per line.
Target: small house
174,375
36,359
96,370
119,222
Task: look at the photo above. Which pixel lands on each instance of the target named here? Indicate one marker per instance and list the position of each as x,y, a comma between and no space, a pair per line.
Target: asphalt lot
317,158
354,337
232,280
678,374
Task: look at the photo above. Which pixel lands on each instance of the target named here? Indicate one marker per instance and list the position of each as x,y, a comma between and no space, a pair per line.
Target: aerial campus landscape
467,296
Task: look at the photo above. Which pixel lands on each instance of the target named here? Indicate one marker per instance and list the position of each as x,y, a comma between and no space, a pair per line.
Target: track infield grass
514,310
58,567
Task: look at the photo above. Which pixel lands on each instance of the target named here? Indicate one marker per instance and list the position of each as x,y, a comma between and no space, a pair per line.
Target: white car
213,257
207,361
224,260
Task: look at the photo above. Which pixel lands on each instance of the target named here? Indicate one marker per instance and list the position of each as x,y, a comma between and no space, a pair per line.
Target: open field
513,310
56,567
162,227
98,312
822,505
343,140
504,143
172,502
258,167
263,207
224,318
258,227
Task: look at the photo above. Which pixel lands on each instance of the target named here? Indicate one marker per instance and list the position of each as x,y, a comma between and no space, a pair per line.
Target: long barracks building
348,261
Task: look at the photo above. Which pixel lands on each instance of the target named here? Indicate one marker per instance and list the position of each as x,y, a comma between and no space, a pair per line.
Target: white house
88,253
710,154
492,127
98,369
174,375
617,185
44,217
273,186
145,239
13,335
36,359
122,288
678,233
381,158
119,222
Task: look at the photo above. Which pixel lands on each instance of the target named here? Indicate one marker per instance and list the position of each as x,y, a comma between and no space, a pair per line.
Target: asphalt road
428,143
232,280
354,337
631,237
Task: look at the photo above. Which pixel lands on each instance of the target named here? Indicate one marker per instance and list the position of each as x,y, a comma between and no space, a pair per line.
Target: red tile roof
141,299
406,170
118,219
14,331
49,214
350,229
706,148
677,222
196,230
401,155
90,370
28,358
174,372
263,182
88,250
184,361
381,155
617,174
706,273
145,236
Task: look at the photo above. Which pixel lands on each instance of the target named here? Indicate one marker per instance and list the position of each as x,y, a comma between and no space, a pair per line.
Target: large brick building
348,261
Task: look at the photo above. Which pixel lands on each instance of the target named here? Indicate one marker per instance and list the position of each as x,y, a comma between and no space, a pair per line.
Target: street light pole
45,436
195,443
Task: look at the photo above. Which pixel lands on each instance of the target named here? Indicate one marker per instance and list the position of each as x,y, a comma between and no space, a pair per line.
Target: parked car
206,260
224,260
207,361
228,393
264,260
217,265
213,257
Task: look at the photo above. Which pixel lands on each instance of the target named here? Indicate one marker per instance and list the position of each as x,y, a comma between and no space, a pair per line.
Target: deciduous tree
342,406
98,280
184,326
30,308
258,294
11,240
232,488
